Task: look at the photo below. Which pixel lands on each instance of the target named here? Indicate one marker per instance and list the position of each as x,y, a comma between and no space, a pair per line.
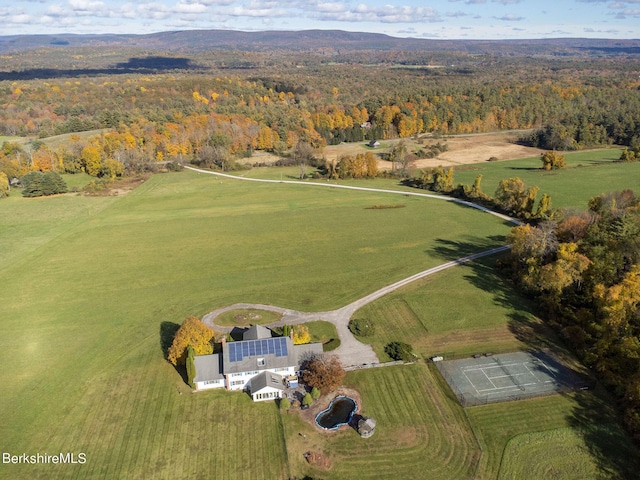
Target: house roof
258,354
255,332
266,380
208,367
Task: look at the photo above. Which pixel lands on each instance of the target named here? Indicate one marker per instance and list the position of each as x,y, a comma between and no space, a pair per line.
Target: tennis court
497,378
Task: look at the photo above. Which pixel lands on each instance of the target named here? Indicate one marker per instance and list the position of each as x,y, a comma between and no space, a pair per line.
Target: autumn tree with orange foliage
192,333
324,372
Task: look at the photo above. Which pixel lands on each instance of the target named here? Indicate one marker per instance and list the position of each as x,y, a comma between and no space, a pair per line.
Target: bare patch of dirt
318,460
119,187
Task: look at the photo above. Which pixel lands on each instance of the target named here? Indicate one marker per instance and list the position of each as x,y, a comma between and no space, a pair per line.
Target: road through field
351,352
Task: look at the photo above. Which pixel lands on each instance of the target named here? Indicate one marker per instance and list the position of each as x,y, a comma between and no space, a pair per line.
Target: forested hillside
216,107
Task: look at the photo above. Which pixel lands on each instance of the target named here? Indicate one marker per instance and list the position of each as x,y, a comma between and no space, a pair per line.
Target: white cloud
510,18
384,14
457,14
87,7
21,19
190,8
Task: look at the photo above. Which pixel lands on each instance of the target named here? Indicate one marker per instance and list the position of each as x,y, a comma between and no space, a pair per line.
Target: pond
339,413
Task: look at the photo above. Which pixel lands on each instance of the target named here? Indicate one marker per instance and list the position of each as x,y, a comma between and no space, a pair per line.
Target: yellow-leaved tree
301,335
192,332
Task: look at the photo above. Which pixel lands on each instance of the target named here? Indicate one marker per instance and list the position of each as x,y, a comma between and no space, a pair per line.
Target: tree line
217,117
583,269
512,196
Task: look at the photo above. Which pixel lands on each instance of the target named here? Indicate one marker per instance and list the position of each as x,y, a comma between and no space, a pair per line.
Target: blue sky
439,19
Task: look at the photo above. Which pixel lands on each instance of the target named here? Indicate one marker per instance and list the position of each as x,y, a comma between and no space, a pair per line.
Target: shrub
552,161
331,345
285,404
307,400
362,327
315,393
400,351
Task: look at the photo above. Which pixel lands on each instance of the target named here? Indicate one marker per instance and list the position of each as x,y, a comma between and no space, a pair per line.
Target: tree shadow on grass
167,333
452,249
595,418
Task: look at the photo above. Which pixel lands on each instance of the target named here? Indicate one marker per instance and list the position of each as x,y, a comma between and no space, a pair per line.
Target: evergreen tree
307,400
32,183
191,366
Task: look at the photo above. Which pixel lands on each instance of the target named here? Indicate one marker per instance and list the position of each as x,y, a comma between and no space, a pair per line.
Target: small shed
374,144
366,427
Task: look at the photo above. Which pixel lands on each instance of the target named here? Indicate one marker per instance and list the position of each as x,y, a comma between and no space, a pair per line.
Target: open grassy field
91,286
533,435
587,174
465,310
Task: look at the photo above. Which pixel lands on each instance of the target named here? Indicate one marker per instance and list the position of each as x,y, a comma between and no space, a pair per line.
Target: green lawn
420,433
91,284
583,423
464,310
321,331
587,174
560,453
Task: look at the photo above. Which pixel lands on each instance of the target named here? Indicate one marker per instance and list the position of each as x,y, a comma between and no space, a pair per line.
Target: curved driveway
351,352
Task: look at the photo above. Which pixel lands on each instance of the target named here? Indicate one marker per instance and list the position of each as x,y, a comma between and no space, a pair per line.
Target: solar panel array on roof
250,348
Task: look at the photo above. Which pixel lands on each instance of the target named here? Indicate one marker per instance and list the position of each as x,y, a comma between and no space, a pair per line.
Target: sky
437,19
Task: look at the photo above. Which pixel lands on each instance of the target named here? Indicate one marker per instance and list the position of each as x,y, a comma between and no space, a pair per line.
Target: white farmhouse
259,364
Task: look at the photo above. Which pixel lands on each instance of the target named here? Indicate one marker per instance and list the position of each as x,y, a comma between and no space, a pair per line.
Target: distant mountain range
327,41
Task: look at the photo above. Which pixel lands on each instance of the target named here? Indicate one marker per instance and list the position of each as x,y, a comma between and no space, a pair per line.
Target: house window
261,362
